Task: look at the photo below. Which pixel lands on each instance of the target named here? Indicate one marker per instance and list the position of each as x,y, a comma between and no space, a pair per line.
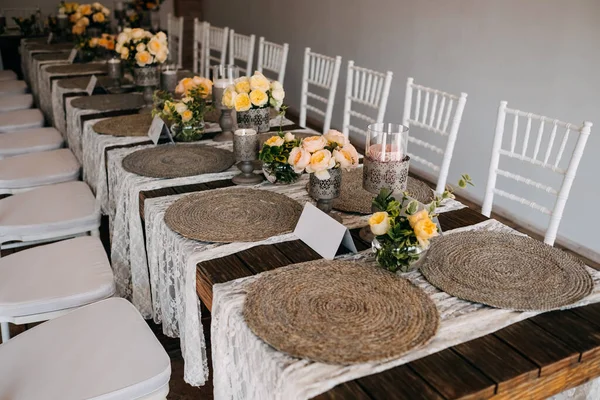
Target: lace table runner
245,367
172,263
36,62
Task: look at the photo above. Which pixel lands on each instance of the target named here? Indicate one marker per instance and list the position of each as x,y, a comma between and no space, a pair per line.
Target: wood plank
403,382
590,313
263,258
452,376
460,218
498,361
348,390
297,251
545,350
218,271
220,184
577,332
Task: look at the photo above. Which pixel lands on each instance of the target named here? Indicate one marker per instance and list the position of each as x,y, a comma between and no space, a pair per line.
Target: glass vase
188,133
396,257
280,173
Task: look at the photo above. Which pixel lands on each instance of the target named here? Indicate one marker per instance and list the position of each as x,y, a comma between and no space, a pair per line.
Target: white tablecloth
247,368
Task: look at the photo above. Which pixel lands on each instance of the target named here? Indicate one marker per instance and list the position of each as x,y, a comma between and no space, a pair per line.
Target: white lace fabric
58,106
34,74
247,368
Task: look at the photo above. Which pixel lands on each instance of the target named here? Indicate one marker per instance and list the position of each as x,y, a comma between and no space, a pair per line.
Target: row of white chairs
103,341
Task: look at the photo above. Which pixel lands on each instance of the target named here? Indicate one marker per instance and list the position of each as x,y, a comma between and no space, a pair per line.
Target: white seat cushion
7,87
48,212
29,141
7,75
104,351
55,277
37,169
21,119
16,102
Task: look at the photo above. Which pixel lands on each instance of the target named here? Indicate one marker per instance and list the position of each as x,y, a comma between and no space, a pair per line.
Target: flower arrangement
319,154
106,42
253,92
88,16
402,231
26,25
146,5
187,114
140,48
67,9
275,155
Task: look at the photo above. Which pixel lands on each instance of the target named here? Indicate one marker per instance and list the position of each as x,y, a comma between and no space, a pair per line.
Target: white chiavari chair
536,157
175,30
198,48
323,72
366,88
241,47
272,57
215,40
439,113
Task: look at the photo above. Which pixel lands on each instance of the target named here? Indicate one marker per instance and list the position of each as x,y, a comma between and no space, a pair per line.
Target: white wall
541,56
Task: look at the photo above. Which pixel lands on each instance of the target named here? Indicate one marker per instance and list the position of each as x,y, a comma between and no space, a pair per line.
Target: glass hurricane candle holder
223,76
115,71
245,150
168,78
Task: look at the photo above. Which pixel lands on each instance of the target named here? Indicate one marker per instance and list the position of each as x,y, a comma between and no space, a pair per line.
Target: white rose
180,108
140,47
289,137
259,82
123,37
162,37
278,94
276,85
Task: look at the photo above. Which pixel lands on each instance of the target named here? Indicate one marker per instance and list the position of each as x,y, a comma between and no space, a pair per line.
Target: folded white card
91,85
322,233
72,56
157,128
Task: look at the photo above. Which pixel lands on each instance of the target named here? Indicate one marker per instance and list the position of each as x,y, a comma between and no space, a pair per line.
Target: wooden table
532,359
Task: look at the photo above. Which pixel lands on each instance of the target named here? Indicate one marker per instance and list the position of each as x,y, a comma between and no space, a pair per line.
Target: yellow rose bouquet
277,158
187,114
319,154
140,48
93,18
404,228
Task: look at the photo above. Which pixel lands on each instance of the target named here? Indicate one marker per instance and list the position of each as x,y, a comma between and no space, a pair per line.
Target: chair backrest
432,112
175,31
215,40
198,48
272,57
323,72
367,88
538,158
17,12
241,47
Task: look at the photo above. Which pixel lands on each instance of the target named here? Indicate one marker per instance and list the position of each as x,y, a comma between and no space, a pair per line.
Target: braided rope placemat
353,198
233,215
126,125
177,161
504,270
339,312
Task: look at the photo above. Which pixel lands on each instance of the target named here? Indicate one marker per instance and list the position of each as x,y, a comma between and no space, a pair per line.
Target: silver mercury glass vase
326,190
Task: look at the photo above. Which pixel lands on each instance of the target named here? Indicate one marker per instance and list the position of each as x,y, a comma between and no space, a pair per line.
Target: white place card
157,128
72,56
322,233
50,37
91,85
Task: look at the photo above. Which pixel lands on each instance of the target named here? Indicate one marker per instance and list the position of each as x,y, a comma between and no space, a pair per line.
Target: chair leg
95,233
5,331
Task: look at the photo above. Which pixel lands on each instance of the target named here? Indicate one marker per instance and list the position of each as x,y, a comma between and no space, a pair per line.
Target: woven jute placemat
339,312
126,125
177,161
233,215
353,198
504,270
105,102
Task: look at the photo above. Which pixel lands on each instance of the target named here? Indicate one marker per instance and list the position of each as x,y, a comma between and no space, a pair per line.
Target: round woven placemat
177,161
353,198
339,312
126,125
233,215
506,271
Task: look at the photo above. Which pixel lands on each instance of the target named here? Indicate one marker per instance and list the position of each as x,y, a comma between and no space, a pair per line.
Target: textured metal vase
256,118
245,150
115,71
147,78
391,175
326,190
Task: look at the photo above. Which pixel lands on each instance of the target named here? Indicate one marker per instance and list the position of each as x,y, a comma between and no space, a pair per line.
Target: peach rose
99,17
379,223
299,159
334,136
143,58
320,162
425,229
314,143
259,82
187,115
347,156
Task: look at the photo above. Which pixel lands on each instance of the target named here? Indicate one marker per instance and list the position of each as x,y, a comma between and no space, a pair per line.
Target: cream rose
105,11
122,38
143,58
154,46
259,82
161,56
258,98
242,85
242,102
347,156
85,21
278,95
289,137
299,159
137,33
186,115
379,223
413,219
334,136
140,47
162,37
180,108
314,143
276,85
229,97
124,53
274,141
320,162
